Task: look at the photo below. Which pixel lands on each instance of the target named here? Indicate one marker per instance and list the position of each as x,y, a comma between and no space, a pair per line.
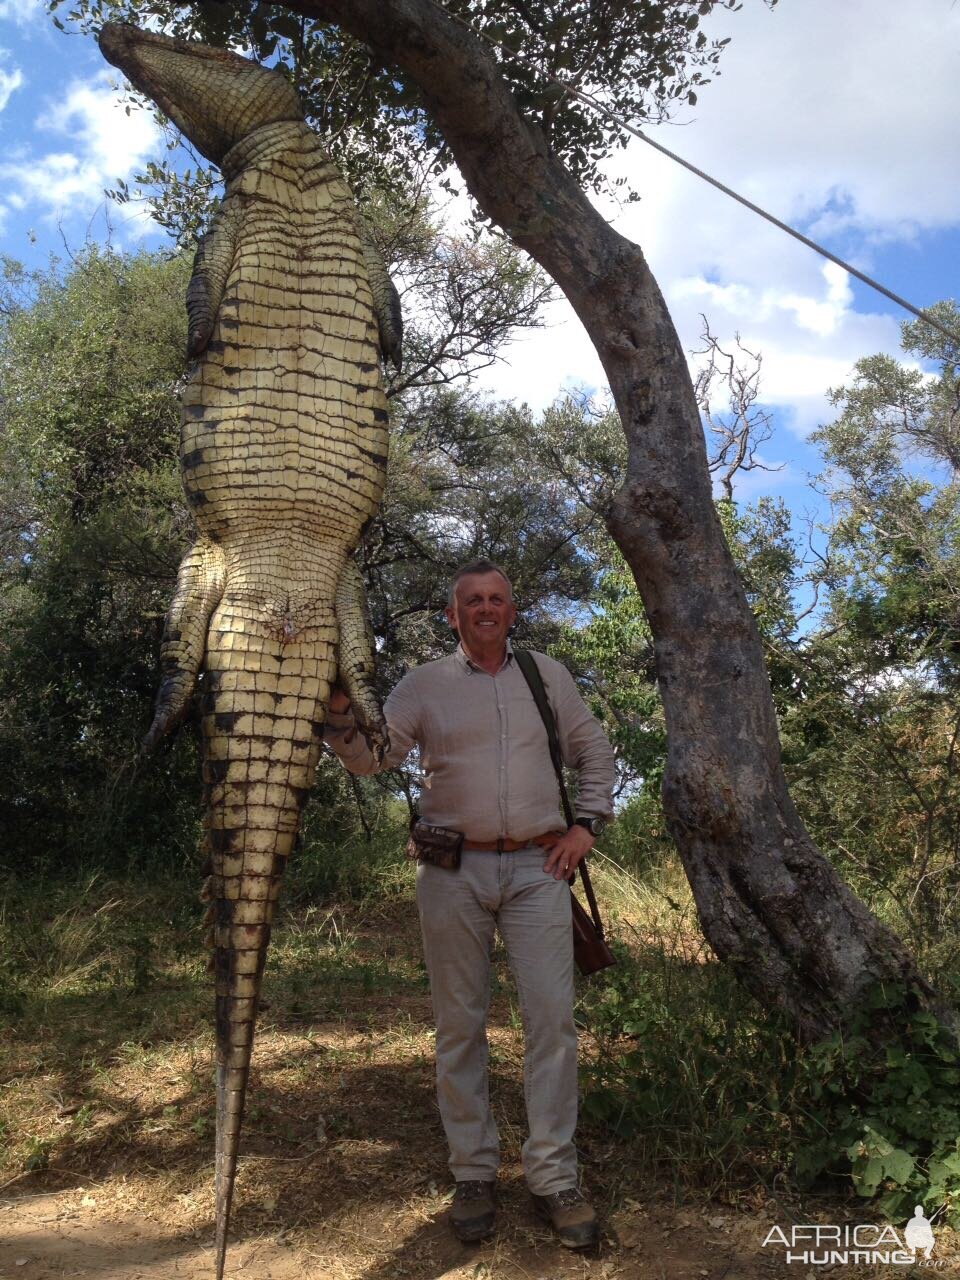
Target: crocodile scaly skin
283,453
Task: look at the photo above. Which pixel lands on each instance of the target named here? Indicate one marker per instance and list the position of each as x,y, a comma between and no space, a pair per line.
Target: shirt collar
467,665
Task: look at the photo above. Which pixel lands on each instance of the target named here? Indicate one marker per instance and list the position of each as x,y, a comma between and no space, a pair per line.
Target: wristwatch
594,825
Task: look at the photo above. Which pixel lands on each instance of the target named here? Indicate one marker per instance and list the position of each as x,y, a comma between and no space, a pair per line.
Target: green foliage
336,862
886,1108
893,457
613,652
182,199
689,1067
685,1069
467,478
761,543
868,698
90,373
608,641
639,58
639,841
91,360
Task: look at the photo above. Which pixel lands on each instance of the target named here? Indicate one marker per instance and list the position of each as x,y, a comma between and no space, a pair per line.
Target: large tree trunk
770,903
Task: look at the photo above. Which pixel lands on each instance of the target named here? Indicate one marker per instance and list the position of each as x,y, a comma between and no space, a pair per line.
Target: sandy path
64,1234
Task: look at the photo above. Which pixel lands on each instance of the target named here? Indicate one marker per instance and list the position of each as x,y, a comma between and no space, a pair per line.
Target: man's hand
569,851
339,702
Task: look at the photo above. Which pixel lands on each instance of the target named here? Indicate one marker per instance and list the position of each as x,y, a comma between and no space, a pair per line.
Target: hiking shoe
571,1217
472,1211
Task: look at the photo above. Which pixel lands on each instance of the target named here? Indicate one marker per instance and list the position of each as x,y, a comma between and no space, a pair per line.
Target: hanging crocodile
283,456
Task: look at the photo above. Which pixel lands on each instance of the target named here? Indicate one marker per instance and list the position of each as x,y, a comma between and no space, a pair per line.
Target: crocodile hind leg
199,587
264,706
356,658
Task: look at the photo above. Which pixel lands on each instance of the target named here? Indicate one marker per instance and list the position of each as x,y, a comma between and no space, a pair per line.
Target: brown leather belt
506,845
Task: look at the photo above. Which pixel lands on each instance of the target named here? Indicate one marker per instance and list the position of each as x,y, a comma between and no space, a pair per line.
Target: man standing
488,774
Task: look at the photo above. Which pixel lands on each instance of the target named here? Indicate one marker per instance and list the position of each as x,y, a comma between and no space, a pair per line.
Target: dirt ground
65,1234
343,1172
61,1234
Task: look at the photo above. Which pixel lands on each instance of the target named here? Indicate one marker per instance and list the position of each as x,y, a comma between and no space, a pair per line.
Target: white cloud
9,82
839,113
824,316
839,117
542,363
22,12
100,143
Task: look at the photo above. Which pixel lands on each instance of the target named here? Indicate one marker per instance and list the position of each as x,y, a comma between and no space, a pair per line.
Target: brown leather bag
590,950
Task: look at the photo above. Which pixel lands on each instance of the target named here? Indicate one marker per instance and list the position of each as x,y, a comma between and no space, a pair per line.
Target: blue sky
65,137
838,115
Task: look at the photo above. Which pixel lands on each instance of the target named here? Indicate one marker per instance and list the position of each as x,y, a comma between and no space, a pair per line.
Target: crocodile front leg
211,267
386,300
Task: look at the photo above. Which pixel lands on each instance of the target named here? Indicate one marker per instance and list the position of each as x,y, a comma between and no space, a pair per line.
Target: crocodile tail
199,587
356,658
264,701
234,1030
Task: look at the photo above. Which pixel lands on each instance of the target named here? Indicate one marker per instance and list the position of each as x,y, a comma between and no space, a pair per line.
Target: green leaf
899,1166
868,1178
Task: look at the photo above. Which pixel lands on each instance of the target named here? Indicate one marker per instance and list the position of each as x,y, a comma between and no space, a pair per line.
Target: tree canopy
639,57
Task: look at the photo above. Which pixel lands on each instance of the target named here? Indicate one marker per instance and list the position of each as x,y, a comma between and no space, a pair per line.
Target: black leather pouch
440,846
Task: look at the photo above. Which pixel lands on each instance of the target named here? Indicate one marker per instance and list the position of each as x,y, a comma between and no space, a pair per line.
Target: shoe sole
471,1235
579,1244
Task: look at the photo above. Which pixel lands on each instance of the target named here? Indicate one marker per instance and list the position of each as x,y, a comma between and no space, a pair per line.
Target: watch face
593,825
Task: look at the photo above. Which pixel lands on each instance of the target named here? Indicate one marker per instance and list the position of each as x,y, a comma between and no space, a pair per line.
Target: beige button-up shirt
483,747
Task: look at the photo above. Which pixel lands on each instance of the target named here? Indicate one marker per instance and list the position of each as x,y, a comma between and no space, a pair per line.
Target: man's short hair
476,566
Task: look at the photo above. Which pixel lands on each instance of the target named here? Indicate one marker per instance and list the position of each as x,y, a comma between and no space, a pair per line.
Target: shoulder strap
531,673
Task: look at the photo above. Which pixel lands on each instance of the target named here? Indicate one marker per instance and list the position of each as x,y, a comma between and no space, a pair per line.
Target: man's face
483,611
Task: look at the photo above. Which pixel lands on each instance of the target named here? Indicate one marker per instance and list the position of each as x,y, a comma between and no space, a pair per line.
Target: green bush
338,862
690,1068
885,1108
683,1069
638,840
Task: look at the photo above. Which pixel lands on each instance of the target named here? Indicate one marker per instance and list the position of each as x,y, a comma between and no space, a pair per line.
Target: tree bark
770,904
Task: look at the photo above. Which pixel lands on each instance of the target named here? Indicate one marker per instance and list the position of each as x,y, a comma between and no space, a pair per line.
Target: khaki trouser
459,913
